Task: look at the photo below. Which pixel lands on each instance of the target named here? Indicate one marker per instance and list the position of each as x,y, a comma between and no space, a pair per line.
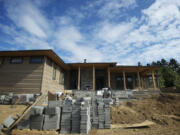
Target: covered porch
95,76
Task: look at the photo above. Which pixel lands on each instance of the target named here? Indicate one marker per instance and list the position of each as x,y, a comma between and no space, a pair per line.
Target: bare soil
14,110
163,110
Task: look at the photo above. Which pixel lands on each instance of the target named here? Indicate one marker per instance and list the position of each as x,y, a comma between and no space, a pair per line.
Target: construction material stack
95,121
37,117
85,125
101,116
76,117
52,118
107,124
66,118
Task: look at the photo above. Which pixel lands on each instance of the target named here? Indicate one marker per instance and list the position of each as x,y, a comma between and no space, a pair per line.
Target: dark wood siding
20,78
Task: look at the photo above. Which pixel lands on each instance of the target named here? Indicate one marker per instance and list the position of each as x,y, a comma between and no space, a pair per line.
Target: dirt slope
163,110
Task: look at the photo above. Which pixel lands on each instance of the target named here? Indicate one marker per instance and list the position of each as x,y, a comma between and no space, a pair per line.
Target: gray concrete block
23,124
8,121
1,127
37,110
36,122
54,104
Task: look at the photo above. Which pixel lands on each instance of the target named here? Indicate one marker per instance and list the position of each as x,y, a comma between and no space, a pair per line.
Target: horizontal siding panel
10,83
27,67
21,81
19,74
20,90
21,71
22,77
20,86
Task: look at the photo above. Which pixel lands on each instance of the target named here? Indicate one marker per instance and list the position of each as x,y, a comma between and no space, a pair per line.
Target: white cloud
154,36
27,16
71,40
114,32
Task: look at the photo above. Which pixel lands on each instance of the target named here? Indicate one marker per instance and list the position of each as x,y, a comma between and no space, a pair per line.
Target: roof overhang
143,69
90,65
49,53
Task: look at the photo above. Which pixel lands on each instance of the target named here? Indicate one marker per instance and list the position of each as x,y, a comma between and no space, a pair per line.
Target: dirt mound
157,109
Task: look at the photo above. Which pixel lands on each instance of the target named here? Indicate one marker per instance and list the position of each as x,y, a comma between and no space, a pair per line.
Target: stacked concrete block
36,117
85,125
52,118
2,97
24,124
54,104
66,119
7,99
8,121
95,122
1,127
83,93
117,103
94,116
101,115
36,122
107,124
76,117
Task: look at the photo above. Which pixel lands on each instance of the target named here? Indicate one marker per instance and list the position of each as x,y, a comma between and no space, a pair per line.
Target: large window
16,60
1,60
61,78
54,73
36,59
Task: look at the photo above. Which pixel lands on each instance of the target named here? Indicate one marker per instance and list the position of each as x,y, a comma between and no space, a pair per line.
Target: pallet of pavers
85,125
36,117
76,117
66,119
52,118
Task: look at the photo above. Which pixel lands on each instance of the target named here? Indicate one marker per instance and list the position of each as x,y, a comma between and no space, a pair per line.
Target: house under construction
39,71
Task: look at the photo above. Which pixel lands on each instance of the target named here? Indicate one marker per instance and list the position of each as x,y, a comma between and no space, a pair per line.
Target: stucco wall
48,84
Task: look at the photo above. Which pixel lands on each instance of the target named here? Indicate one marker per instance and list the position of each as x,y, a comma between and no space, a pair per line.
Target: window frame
32,62
61,77
11,62
2,60
54,73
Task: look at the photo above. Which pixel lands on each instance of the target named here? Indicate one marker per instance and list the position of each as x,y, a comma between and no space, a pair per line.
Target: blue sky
123,31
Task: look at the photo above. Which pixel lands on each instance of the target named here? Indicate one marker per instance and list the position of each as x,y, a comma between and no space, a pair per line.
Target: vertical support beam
154,82
79,77
134,82
109,78
142,82
94,78
139,81
124,80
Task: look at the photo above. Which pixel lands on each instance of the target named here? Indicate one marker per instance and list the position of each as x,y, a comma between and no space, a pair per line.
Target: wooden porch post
134,81
79,77
124,80
142,82
109,78
139,82
154,82
94,82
